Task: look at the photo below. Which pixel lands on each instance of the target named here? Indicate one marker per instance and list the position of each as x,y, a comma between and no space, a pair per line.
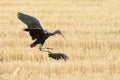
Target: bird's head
59,32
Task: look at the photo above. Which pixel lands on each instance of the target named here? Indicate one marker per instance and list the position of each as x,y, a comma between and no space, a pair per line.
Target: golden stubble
92,31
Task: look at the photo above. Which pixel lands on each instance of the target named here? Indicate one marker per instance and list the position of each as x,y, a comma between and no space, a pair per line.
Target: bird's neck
51,34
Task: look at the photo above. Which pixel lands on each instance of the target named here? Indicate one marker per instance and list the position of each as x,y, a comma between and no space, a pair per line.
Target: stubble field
92,31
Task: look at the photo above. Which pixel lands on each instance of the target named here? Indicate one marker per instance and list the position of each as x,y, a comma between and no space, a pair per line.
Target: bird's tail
26,29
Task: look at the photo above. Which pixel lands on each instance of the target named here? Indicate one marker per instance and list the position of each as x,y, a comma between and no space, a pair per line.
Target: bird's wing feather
30,21
35,33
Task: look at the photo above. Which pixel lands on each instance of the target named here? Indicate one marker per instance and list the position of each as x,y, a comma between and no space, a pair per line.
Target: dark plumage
58,56
35,29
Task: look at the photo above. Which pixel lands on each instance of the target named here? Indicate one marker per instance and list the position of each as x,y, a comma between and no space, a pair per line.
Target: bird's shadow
56,56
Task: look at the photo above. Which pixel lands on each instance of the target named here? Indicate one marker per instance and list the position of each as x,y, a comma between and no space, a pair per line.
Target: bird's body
35,29
40,38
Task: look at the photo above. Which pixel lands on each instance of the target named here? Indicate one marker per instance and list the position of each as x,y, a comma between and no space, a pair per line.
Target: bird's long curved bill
63,36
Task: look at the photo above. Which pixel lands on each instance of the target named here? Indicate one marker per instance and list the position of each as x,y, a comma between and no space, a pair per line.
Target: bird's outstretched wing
30,21
34,27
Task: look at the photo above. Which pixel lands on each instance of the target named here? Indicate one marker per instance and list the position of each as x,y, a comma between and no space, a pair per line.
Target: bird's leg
41,49
34,43
48,48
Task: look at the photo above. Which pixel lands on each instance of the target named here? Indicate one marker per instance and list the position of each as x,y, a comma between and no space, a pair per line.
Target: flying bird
35,30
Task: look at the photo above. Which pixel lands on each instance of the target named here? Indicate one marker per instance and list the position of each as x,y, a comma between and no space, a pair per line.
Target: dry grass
92,29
